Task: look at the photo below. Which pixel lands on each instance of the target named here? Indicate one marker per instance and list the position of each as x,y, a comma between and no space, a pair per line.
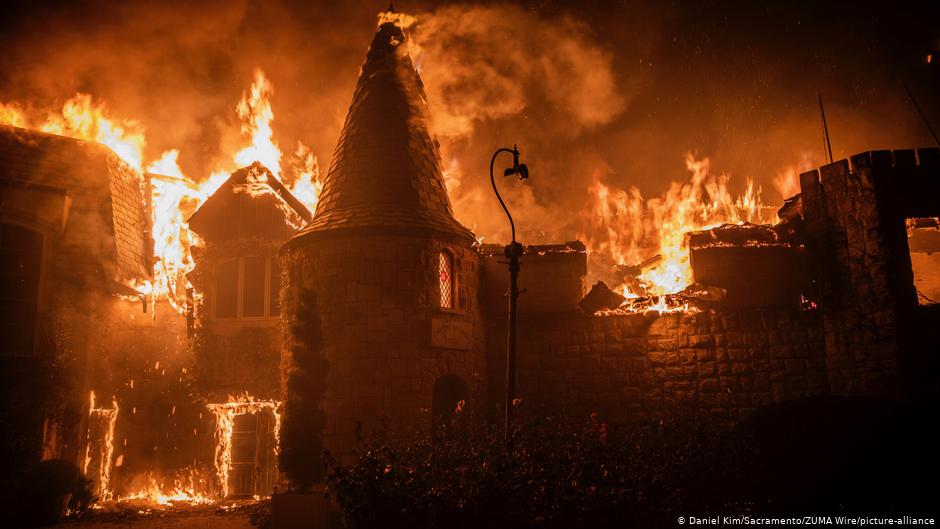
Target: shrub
45,491
549,474
822,455
305,372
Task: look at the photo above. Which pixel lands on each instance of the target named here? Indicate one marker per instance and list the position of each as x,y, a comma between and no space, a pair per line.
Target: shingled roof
108,224
251,203
386,170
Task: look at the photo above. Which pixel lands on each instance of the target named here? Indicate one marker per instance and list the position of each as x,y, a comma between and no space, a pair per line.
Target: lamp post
513,252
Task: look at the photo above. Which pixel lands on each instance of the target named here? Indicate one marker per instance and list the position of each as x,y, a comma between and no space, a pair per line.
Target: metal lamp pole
513,251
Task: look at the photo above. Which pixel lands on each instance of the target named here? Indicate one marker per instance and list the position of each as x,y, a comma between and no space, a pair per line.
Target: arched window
445,270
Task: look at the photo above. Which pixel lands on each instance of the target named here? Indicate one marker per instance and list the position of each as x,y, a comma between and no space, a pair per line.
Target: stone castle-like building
412,309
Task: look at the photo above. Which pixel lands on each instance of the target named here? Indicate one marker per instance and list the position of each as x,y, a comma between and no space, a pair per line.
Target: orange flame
307,184
105,448
256,113
630,229
12,114
185,488
82,118
174,196
225,422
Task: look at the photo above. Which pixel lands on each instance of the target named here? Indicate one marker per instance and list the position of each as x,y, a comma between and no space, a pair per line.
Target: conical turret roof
386,170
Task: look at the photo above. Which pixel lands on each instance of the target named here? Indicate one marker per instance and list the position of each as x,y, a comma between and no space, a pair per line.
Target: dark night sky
621,89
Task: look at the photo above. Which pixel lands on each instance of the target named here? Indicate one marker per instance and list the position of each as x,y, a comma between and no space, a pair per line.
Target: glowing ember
184,489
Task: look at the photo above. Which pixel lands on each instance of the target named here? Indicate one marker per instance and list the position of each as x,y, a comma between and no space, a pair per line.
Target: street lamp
513,251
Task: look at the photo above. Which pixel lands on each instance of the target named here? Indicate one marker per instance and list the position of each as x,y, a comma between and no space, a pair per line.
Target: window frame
454,281
269,268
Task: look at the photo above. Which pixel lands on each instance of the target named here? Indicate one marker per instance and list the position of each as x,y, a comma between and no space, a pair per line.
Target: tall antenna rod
922,116
822,112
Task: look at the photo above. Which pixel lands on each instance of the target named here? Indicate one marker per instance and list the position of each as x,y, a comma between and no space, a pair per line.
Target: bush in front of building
827,455
549,473
305,371
44,492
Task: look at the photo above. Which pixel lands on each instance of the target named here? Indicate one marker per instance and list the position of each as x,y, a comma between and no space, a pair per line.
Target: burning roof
251,202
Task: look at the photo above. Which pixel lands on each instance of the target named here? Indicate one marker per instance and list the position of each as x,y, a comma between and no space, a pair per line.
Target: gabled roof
386,170
251,203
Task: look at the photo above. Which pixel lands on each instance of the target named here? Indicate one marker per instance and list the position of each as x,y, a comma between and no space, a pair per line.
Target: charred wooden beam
600,297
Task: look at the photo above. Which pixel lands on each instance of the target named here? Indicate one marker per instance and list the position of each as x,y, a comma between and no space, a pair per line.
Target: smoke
488,63
616,92
499,75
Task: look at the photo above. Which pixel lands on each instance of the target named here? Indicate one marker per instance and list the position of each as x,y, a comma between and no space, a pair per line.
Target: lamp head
517,168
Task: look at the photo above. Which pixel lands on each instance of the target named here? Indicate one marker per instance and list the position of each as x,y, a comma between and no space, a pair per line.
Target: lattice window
446,282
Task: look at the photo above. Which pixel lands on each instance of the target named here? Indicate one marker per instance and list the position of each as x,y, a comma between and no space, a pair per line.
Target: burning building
237,349
821,303
76,240
185,362
395,275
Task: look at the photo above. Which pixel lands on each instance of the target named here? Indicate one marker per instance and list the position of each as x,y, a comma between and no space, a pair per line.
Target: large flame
256,114
631,229
12,114
83,118
174,196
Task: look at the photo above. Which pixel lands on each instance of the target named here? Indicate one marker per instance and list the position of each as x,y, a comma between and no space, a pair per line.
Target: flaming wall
639,367
90,332
860,333
84,208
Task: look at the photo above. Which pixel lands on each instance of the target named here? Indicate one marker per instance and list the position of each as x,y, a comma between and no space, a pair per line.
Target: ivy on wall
303,418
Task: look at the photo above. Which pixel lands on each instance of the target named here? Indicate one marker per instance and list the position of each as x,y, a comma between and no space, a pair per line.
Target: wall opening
448,391
923,240
247,435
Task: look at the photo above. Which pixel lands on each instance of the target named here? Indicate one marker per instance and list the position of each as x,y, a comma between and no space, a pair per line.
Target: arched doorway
448,391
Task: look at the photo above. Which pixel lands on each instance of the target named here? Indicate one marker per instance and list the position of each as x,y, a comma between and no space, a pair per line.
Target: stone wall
639,367
553,277
385,338
854,217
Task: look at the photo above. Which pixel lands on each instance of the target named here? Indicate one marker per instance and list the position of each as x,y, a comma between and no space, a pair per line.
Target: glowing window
248,287
923,240
445,270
